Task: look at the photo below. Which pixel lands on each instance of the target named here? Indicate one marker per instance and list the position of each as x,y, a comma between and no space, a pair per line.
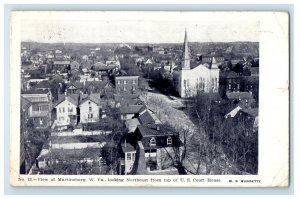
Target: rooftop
132,109
239,95
155,130
251,111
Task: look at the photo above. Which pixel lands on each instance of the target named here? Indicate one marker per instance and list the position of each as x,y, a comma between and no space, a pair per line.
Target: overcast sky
138,31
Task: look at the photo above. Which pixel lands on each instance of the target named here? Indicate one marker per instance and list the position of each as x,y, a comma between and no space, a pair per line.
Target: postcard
149,98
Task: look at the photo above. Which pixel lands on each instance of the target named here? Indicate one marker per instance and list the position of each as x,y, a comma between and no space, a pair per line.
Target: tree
179,149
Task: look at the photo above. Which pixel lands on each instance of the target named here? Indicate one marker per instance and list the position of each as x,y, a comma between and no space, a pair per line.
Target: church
204,77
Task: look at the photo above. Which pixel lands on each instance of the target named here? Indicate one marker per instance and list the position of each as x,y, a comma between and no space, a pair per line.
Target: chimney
125,143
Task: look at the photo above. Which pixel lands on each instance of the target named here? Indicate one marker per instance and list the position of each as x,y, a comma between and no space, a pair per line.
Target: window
128,156
91,116
184,82
124,88
59,110
133,82
63,109
152,141
41,121
119,82
89,102
90,108
70,109
169,140
133,88
125,82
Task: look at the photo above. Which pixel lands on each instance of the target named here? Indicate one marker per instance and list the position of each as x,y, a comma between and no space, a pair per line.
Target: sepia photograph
109,93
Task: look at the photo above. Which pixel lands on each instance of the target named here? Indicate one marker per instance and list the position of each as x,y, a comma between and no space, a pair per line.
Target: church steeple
186,53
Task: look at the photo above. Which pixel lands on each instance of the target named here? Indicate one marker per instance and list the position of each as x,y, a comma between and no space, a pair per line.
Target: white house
203,77
89,108
66,110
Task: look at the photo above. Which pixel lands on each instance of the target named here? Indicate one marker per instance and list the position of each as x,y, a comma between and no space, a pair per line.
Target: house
145,116
102,69
89,106
243,99
204,77
74,65
75,87
37,105
43,85
66,110
246,116
127,84
105,88
61,64
232,81
154,140
131,111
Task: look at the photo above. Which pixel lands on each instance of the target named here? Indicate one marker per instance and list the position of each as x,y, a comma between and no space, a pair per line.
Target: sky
141,30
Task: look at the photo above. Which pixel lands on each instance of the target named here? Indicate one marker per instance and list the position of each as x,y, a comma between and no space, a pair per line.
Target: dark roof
128,147
78,85
93,97
155,130
254,71
231,74
43,84
73,98
239,95
132,109
146,118
251,79
99,84
251,111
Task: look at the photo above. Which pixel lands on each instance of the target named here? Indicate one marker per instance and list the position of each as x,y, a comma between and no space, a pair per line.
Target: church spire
186,53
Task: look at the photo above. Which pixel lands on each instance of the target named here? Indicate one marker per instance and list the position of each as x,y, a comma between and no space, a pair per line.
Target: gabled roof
99,84
74,64
132,109
251,111
78,85
43,84
148,117
25,103
72,98
92,97
239,95
155,130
